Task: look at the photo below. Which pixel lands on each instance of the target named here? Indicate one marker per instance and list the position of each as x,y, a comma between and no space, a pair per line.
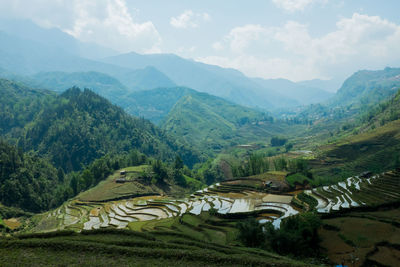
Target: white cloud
295,5
111,24
241,37
106,22
217,46
189,19
290,51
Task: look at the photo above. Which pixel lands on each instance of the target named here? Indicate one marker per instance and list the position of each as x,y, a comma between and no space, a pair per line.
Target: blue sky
293,39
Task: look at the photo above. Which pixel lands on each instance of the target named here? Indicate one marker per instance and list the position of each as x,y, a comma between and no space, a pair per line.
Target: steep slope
82,126
382,113
227,83
375,150
19,105
368,87
212,123
26,181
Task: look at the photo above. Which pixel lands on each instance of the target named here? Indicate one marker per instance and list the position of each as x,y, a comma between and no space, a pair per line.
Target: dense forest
57,146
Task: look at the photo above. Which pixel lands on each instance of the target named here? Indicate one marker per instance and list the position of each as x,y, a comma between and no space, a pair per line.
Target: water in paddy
120,213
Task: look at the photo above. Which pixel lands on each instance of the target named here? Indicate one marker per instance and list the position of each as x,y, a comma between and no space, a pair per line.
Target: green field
372,237
129,248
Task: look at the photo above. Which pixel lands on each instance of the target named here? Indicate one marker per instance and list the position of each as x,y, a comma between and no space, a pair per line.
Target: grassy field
376,151
137,184
109,189
129,248
372,237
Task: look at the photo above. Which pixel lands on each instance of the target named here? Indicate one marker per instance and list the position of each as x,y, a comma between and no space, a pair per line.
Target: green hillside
368,87
19,105
155,104
81,126
376,150
26,181
212,123
128,248
382,113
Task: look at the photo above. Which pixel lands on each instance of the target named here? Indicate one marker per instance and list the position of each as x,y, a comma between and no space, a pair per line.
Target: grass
128,248
271,175
376,150
136,185
300,179
359,234
109,189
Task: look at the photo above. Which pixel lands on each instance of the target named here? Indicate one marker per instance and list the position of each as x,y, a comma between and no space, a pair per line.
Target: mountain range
29,50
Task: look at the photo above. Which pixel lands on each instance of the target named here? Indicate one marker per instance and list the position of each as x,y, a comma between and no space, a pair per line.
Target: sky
292,39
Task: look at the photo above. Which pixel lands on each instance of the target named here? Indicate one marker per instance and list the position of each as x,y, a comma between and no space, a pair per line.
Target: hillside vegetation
128,248
26,181
368,87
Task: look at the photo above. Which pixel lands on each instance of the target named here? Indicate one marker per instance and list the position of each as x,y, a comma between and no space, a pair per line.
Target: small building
122,173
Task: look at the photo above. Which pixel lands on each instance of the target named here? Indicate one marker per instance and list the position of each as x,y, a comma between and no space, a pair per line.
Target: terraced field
227,200
357,191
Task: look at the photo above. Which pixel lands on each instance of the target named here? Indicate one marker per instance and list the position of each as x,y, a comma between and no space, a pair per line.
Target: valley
150,157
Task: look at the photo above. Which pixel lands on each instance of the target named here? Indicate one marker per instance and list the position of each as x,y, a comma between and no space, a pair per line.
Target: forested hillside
19,105
368,87
26,181
81,126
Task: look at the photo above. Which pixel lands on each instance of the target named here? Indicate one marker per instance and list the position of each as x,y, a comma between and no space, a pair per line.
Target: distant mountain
27,57
368,87
100,83
303,94
155,104
53,37
327,85
227,83
145,79
105,85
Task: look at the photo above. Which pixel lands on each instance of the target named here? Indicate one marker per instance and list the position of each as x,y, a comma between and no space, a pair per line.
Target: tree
297,235
160,171
178,164
278,141
251,233
179,178
60,175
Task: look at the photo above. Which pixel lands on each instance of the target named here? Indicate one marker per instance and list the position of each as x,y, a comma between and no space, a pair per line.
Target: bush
251,233
298,235
278,141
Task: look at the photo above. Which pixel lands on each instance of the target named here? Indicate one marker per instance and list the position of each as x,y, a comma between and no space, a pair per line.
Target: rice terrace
209,215
195,133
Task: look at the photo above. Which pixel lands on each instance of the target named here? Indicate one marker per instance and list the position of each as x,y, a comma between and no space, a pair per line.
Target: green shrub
251,233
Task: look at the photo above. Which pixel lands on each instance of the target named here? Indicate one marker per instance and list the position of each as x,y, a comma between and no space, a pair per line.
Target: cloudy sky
293,39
